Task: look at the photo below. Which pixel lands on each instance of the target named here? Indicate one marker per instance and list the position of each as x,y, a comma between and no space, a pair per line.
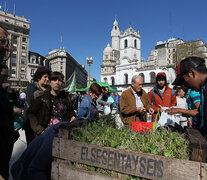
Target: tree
191,48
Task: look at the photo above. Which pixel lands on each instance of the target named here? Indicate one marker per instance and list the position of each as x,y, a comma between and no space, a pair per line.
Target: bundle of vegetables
162,142
104,133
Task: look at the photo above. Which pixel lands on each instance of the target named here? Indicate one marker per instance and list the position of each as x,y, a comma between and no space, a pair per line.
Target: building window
14,55
112,81
14,83
125,78
115,27
106,56
32,72
105,79
135,43
152,77
6,20
15,37
61,67
125,43
23,61
14,61
16,30
22,76
24,47
61,63
33,61
25,25
24,39
23,69
16,22
24,54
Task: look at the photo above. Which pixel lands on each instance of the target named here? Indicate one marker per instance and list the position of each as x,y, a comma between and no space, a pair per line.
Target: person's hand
151,111
190,122
172,111
109,103
17,111
141,109
72,118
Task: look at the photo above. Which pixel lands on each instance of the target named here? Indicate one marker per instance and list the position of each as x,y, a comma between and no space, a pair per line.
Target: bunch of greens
104,133
162,142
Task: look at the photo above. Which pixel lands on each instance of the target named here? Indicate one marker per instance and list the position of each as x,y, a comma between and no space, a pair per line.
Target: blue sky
86,24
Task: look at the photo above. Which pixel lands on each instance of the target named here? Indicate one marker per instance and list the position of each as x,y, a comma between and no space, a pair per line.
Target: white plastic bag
167,119
107,110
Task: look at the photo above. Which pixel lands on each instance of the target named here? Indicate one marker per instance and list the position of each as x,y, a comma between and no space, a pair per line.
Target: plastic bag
167,119
107,110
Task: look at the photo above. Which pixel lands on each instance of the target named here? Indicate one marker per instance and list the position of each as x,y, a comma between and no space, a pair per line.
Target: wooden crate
132,163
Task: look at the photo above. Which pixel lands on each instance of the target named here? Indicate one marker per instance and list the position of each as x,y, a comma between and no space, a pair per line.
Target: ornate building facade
123,60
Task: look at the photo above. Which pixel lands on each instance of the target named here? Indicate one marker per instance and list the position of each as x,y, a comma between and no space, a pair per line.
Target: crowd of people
44,107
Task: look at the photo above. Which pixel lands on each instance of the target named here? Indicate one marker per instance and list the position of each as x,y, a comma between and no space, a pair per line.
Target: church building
122,60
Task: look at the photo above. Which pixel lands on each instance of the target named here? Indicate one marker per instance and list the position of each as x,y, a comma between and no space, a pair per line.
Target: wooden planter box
132,163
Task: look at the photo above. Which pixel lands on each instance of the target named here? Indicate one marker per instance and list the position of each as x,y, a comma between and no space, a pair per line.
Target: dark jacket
39,112
6,132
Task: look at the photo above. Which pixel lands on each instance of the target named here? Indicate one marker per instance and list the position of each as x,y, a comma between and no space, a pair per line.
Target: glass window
22,76
23,61
33,60
23,69
6,20
135,43
24,39
14,60
125,43
32,71
24,47
24,54
14,55
15,37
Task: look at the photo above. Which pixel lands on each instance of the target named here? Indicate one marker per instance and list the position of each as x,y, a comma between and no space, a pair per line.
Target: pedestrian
102,102
192,72
88,107
51,107
134,103
22,98
117,99
161,95
6,109
40,84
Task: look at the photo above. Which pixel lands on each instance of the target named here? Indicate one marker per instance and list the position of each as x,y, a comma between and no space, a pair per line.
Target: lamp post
89,61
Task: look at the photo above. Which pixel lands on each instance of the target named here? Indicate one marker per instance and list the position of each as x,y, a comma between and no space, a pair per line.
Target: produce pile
103,132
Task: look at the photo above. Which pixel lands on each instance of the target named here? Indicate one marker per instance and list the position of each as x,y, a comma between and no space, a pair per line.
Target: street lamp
89,61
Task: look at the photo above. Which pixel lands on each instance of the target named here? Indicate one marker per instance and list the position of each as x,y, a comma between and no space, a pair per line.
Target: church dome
108,49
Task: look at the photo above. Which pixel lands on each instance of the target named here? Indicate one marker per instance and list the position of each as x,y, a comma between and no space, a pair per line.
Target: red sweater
167,99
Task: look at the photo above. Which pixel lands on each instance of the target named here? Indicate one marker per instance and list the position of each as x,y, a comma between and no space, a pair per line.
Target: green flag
70,84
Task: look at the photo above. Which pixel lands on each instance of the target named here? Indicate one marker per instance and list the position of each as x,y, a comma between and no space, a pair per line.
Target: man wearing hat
161,94
192,72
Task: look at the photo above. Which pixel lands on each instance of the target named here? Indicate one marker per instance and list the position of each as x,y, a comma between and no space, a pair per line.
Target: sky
86,24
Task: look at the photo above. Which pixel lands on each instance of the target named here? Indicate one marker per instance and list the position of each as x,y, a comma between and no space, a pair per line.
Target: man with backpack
161,95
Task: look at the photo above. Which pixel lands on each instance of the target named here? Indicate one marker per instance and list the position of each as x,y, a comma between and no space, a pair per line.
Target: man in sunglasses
4,43
192,72
6,110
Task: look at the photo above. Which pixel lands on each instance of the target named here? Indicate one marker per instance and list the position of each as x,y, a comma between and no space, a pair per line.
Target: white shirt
22,95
